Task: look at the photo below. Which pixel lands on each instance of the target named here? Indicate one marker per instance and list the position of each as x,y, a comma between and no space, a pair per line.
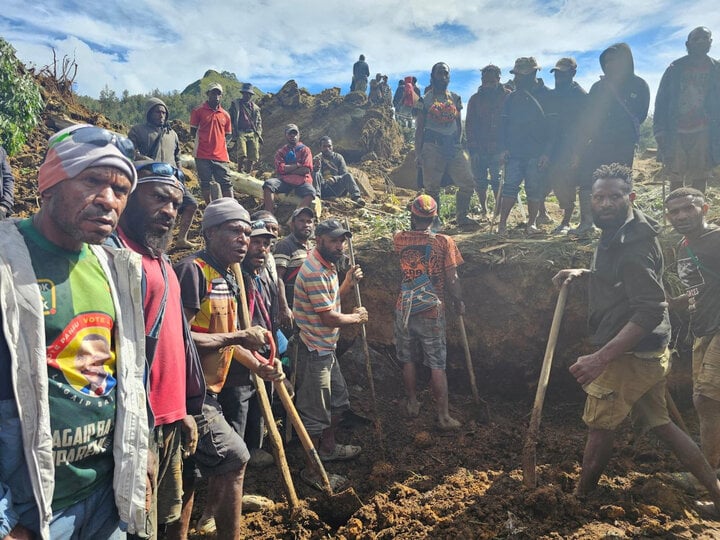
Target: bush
20,100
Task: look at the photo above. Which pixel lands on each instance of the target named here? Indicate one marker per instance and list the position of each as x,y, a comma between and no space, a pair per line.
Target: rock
612,512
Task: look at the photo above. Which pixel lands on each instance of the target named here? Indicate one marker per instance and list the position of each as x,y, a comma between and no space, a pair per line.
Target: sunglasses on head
159,168
99,137
259,224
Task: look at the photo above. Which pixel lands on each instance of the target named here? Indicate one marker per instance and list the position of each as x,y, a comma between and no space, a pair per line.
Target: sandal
337,481
341,452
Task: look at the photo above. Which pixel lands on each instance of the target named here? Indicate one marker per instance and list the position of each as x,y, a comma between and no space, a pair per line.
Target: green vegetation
20,100
130,109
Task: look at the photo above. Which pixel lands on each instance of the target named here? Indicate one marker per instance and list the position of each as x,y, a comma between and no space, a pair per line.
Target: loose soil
418,482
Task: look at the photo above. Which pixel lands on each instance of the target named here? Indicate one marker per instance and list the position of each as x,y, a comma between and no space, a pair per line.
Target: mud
419,482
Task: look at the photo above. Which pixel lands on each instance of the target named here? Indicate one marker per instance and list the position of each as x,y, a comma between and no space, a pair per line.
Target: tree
20,100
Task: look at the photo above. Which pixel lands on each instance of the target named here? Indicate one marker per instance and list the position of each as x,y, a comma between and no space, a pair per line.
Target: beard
329,255
611,221
138,226
157,242
440,84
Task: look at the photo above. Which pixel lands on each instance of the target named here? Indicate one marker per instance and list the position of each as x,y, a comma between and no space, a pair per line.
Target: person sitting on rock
293,165
332,178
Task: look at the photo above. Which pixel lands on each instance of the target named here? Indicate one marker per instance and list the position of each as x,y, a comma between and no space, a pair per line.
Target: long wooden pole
528,456
366,350
273,433
468,360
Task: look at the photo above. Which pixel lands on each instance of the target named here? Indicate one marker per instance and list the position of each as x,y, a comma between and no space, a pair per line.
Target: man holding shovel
211,296
629,324
428,262
322,395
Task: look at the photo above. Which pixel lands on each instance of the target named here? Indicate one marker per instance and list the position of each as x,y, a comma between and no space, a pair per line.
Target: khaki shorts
248,145
632,384
435,164
706,366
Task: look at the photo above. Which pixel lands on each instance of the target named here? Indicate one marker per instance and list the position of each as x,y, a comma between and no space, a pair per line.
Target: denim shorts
94,517
429,332
518,170
210,169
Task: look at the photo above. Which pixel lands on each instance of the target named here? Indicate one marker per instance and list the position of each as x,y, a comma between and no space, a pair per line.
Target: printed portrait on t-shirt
82,354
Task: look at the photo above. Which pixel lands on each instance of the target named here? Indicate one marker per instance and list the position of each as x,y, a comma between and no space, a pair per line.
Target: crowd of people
108,417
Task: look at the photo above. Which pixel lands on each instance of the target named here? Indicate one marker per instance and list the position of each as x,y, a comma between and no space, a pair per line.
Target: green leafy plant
20,100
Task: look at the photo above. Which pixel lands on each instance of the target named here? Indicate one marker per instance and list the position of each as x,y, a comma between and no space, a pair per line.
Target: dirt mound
416,481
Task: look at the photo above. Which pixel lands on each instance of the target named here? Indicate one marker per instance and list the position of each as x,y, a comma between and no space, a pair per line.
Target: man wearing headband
176,387
75,460
435,258
210,295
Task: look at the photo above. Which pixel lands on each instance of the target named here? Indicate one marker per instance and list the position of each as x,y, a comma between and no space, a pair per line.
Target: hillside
416,481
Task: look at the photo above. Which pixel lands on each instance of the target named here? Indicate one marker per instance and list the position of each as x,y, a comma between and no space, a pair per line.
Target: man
211,126
7,189
175,384
57,286
239,402
210,296
361,72
628,321
686,122
291,252
438,132
428,263
293,166
272,225
482,128
616,107
332,178
527,139
322,394
157,141
568,101
698,265
246,128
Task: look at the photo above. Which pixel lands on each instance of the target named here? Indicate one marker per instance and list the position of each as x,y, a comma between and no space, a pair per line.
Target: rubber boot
462,206
586,226
206,194
228,192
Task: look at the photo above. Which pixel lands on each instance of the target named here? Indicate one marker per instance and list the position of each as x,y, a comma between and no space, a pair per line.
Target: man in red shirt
176,387
211,126
293,166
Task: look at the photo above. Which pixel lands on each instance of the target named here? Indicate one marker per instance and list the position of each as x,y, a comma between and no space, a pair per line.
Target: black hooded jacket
616,110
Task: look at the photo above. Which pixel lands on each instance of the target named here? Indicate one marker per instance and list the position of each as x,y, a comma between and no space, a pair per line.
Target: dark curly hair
615,170
696,194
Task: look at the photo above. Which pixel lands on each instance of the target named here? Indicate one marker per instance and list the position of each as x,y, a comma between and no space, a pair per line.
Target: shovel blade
337,508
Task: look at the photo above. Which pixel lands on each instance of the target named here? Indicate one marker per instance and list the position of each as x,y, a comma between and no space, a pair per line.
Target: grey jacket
144,137
23,328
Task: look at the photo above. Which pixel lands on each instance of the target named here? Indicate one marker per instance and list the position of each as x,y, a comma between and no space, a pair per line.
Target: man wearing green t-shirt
72,351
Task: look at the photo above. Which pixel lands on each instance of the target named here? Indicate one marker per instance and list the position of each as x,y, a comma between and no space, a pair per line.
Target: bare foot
412,408
448,423
184,243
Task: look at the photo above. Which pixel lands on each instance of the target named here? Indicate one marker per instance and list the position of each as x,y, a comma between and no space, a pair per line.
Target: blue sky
140,45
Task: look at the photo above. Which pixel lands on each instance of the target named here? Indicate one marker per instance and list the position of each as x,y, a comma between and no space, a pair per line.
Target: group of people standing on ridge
123,377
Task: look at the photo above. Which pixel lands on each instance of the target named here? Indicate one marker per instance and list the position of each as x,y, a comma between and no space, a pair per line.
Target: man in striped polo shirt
322,394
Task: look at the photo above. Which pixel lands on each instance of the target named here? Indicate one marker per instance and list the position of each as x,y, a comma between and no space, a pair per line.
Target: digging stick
468,360
273,432
363,334
528,456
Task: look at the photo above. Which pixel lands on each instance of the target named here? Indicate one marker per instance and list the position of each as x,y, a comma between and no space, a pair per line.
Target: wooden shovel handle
528,456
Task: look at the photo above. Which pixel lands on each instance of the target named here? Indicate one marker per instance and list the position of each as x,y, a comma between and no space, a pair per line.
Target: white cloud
167,44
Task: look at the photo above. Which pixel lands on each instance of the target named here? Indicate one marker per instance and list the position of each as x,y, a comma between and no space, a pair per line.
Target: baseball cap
247,88
259,228
424,206
215,86
565,64
291,127
300,210
221,210
524,65
331,228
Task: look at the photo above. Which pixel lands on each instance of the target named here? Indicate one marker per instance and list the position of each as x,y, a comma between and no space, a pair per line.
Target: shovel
528,455
340,506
